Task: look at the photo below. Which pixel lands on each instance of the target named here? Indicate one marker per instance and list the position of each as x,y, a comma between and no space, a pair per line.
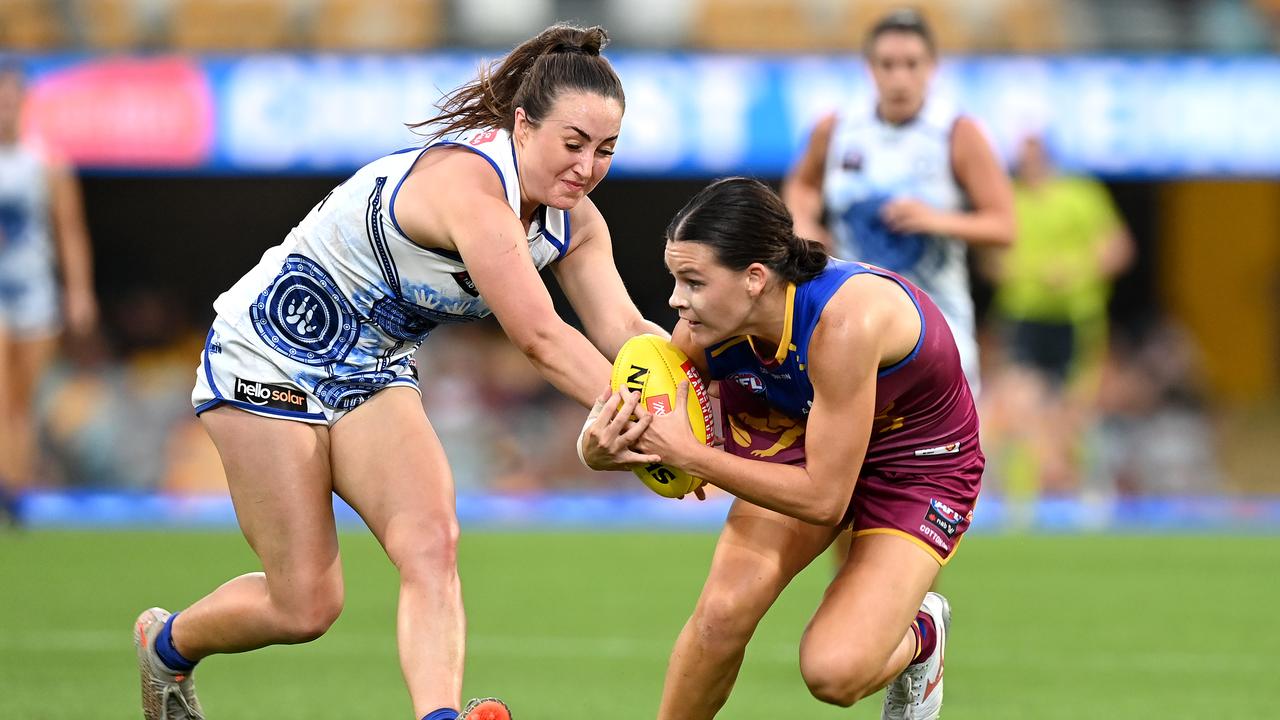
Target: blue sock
441,714
169,654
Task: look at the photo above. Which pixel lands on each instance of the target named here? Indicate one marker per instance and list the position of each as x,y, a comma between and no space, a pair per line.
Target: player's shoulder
852,119
32,152
967,131
941,113
863,304
585,214
826,123
455,173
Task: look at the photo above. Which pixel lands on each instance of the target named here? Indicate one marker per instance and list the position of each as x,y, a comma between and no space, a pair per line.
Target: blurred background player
46,281
862,364
907,183
1051,294
307,383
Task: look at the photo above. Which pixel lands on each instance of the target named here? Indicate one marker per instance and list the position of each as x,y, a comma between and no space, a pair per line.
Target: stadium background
204,129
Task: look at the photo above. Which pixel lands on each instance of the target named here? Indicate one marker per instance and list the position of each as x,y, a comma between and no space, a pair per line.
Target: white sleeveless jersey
28,288
870,162
347,298
25,241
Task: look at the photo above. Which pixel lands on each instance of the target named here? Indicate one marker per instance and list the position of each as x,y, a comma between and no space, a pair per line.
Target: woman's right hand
607,436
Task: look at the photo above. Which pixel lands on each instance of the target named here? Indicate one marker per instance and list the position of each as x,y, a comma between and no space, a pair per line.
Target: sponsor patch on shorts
941,516
948,449
277,397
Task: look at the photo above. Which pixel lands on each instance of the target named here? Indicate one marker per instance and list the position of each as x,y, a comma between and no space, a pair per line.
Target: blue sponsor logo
304,316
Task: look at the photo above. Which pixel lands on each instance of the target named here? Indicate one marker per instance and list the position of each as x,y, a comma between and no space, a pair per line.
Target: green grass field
578,626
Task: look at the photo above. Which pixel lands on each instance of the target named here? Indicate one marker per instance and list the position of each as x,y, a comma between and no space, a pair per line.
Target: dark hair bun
569,39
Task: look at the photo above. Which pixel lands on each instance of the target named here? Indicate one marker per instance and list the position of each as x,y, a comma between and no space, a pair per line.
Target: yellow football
653,367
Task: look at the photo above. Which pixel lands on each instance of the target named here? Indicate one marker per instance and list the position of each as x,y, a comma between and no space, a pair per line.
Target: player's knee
838,675
427,551
725,617
309,608
313,618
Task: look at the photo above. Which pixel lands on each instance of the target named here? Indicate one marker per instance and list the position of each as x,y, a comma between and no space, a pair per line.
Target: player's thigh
278,472
391,468
871,602
6,369
28,360
757,555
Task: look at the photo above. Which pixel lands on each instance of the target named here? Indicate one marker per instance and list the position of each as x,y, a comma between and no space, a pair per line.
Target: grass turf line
579,625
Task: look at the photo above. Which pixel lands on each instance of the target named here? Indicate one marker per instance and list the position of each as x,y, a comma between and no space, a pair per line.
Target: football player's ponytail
560,58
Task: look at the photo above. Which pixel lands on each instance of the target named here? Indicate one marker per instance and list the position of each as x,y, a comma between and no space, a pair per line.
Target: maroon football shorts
932,511
931,505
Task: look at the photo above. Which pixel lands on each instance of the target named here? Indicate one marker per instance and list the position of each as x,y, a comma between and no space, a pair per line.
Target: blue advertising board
688,115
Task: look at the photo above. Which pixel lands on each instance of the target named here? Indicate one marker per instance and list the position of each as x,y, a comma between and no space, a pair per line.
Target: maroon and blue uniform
923,466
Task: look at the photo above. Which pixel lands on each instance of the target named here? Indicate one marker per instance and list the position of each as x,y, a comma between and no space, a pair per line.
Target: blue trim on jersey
486,157
439,251
220,399
785,385
391,210
568,234
561,246
208,405
373,227
919,341
208,371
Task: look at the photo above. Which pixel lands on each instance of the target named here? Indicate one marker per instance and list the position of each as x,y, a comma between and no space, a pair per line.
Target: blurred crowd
803,25
116,412
1132,419
1070,403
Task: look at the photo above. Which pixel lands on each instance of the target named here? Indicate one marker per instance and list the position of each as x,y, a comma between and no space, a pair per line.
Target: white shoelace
176,702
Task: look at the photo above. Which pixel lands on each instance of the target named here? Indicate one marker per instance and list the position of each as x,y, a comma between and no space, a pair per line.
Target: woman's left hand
670,436
81,311
908,215
609,433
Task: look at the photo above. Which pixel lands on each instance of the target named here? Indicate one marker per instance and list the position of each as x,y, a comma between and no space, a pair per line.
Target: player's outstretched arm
475,217
590,280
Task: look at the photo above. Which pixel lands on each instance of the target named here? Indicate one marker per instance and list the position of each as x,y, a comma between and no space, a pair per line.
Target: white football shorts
30,306
238,369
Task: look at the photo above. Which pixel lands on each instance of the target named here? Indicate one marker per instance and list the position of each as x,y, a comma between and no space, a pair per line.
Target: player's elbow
1004,230
827,511
537,342
637,325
